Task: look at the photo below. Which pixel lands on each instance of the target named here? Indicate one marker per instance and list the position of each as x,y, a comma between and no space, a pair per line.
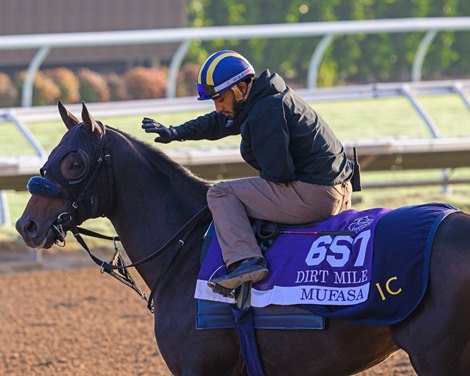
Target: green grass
395,117
351,120
12,143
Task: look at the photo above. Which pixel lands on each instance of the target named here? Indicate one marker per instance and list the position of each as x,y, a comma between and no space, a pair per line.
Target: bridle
66,221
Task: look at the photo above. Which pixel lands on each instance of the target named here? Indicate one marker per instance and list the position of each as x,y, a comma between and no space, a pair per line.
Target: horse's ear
69,119
90,122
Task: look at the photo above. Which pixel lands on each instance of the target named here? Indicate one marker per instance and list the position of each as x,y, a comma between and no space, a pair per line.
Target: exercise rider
304,173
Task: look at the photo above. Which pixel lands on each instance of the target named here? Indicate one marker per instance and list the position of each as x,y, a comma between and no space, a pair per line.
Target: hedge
89,86
8,92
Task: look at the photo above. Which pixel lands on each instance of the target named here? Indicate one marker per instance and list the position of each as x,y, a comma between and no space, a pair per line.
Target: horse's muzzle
30,231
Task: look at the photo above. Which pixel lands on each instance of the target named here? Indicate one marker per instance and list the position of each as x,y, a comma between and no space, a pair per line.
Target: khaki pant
232,201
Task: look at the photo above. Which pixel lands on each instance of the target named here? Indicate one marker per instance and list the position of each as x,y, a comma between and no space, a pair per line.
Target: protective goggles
206,91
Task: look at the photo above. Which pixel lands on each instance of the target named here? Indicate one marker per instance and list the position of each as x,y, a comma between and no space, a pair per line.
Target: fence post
174,68
313,67
420,54
4,210
28,84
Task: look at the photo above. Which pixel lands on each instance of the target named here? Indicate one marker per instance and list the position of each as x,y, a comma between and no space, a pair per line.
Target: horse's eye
76,165
73,166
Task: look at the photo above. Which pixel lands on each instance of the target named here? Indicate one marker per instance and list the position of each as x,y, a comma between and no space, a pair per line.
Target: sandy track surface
79,322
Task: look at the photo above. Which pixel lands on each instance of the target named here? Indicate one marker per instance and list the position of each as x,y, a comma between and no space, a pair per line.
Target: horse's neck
152,201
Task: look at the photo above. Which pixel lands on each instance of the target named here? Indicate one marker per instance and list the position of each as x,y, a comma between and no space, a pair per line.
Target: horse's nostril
30,228
27,227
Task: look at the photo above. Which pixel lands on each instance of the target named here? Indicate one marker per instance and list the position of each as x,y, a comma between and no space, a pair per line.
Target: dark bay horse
97,170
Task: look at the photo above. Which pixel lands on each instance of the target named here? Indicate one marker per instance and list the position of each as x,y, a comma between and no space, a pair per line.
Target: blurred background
134,71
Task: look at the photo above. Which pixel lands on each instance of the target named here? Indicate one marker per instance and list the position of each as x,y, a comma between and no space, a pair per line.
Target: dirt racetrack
79,322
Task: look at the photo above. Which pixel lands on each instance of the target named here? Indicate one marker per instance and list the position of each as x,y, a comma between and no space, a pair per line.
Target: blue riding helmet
220,71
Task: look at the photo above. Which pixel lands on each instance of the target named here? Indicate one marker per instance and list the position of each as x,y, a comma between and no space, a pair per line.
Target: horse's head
67,192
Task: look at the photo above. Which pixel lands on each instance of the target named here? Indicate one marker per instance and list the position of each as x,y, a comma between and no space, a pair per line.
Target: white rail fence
14,170
327,30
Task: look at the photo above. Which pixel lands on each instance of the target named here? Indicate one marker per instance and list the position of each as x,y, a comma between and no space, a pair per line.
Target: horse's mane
160,160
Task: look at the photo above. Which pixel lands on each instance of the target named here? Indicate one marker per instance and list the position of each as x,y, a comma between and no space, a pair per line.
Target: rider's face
226,104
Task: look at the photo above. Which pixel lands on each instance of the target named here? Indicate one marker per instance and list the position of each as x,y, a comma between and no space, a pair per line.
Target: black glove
165,135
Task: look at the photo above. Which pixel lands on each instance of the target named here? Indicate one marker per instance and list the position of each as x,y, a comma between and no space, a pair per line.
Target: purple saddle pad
365,266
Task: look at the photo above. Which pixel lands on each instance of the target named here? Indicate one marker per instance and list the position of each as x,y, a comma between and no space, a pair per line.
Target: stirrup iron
224,291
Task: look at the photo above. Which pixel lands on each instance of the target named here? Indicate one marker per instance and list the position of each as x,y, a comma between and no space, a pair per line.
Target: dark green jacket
282,136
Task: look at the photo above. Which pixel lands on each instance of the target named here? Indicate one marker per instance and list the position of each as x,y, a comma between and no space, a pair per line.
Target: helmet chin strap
239,97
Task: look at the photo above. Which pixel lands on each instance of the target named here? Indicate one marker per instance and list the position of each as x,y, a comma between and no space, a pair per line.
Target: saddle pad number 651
326,264
339,272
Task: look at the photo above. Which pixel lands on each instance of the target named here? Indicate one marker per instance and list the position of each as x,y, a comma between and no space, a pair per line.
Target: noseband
43,187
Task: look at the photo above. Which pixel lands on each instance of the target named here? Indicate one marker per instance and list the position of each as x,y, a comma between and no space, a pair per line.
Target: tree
350,58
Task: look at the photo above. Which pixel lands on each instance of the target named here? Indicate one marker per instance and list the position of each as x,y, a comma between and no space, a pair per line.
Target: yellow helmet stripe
199,74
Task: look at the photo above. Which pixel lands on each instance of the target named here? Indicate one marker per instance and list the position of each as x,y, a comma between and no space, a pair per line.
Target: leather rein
116,267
